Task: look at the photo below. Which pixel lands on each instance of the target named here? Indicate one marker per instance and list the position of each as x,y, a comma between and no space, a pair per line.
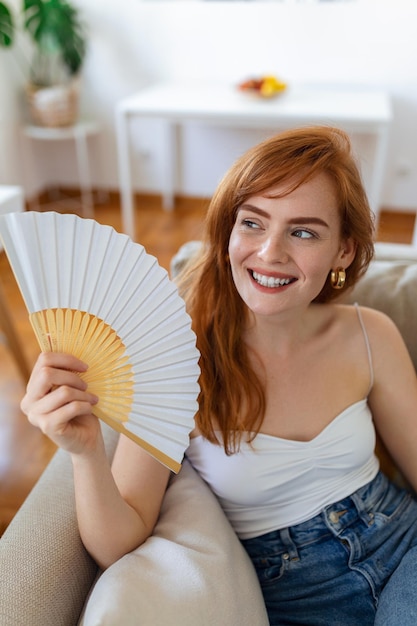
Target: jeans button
333,517
286,556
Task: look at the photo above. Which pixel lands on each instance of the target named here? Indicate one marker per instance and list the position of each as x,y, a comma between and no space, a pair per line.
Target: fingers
52,370
53,413
55,383
57,401
69,401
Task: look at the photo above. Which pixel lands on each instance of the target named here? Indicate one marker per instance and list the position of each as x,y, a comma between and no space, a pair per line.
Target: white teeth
269,281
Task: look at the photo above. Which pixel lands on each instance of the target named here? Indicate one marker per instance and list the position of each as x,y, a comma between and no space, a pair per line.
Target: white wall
358,43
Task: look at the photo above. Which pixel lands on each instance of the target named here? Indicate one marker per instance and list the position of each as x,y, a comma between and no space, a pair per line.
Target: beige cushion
193,571
391,287
185,253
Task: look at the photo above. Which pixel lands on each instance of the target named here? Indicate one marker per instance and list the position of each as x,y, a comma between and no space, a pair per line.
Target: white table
79,133
356,111
11,199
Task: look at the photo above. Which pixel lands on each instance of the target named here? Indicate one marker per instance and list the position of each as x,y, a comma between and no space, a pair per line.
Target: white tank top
273,483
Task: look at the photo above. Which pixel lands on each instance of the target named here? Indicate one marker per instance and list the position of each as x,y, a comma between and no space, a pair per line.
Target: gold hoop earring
338,278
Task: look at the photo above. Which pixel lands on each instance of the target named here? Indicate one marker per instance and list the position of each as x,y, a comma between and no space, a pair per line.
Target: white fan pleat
24,260
124,301
168,434
107,262
50,264
161,418
81,251
175,372
170,359
156,324
172,402
168,442
79,277
148,348
121,278
144,304
66,236
186,385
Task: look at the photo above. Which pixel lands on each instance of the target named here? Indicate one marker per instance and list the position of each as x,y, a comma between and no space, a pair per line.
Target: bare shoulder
376,322
382,333
387,344
390,356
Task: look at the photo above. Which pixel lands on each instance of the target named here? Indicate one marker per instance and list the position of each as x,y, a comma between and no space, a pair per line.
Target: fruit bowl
263,87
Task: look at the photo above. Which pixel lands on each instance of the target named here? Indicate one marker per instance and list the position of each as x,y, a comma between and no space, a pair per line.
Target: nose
274,249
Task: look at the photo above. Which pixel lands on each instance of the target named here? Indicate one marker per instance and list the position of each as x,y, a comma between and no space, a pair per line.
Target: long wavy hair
232,397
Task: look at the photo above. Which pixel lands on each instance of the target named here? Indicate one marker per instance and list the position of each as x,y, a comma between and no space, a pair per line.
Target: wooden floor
24,451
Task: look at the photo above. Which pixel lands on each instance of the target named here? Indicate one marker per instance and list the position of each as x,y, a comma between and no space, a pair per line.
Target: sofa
193,571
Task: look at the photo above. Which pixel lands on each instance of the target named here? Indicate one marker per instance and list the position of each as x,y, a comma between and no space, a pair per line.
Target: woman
292,387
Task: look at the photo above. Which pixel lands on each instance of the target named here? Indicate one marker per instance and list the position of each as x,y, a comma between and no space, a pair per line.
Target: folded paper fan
94,293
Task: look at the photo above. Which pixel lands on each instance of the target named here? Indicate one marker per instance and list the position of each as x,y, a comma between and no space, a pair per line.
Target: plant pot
53,106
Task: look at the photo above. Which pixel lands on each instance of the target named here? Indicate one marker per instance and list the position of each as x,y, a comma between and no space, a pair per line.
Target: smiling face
282,249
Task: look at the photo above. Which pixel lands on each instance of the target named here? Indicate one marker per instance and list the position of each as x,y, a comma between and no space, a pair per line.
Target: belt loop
364,505
289,544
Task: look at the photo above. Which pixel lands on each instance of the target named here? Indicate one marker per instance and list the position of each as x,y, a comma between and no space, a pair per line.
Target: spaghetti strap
368,346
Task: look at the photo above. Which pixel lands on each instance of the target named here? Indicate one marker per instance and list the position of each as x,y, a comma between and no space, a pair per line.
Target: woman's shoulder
378,326
354,311
347,318
372,317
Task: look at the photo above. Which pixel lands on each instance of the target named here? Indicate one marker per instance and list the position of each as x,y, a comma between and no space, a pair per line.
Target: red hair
232,397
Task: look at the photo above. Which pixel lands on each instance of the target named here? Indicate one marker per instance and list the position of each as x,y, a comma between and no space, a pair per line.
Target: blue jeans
354,564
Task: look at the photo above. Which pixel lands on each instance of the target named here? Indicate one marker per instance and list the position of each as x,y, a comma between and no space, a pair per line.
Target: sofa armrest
45,571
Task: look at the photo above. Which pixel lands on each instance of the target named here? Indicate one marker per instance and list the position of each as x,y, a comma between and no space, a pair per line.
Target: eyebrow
294,220
309,220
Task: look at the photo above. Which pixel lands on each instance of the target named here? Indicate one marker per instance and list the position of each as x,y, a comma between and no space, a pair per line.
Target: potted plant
57,38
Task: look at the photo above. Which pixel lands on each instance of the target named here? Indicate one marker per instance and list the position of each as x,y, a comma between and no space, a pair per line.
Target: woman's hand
115,512
57,402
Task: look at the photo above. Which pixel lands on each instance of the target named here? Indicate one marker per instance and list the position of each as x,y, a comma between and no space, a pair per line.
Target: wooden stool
79,133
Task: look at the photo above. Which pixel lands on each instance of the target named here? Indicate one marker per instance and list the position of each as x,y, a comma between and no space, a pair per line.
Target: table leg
377,178
30,166
125,177
169,164
84,173
414,239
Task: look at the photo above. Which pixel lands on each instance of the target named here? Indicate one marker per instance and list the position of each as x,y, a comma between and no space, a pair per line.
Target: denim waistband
332,520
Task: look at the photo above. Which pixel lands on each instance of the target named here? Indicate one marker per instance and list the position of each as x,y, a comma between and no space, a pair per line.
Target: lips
271,281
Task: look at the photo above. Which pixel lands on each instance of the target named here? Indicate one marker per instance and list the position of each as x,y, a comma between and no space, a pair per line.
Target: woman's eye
248,223
304,234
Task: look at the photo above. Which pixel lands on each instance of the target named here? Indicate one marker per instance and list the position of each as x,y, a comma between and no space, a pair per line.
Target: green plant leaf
6,26
56,30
